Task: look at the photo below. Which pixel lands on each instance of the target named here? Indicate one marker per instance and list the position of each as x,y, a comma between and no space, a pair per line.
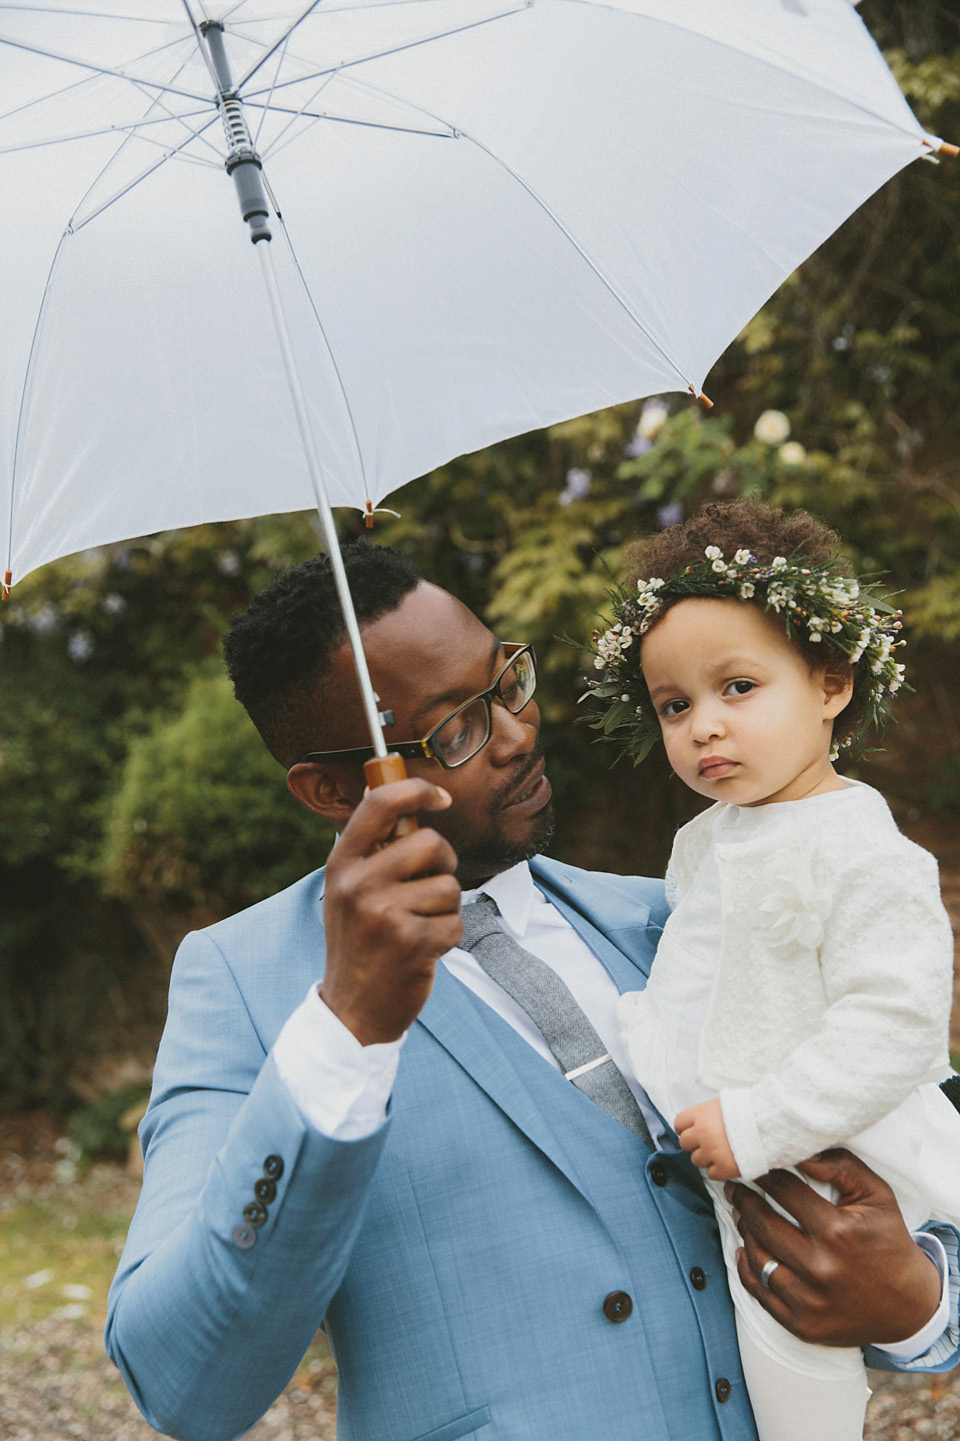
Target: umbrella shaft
368,695
243,164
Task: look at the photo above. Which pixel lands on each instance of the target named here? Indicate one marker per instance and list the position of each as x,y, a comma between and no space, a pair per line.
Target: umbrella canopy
487,216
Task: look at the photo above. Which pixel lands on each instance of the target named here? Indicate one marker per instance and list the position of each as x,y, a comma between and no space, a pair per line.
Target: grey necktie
539,991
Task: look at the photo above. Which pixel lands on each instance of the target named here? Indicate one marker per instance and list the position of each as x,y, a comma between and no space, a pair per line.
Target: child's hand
702,1133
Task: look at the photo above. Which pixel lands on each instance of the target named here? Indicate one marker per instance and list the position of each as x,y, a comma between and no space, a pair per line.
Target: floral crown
816,602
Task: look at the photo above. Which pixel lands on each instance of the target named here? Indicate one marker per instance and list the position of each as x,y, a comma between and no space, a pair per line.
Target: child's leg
789,1406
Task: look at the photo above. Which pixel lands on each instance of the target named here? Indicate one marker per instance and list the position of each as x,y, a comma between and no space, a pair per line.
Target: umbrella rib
171,115
568,235
329,349
266,107
809,77
102,69
539,201
276,145
125,190
84,14
399,49
27,378
131,128
277,44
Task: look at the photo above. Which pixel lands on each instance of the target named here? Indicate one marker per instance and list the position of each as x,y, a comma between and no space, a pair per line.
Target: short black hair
280,649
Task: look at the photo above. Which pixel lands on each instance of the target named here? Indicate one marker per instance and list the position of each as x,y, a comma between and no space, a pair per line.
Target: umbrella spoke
287,130
129,128
278,43
613,290
342,65
341,388
266,108
109,70
84,14
76,225
281,144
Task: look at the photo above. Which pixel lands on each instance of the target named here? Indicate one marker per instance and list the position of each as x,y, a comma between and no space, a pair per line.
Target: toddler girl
801,991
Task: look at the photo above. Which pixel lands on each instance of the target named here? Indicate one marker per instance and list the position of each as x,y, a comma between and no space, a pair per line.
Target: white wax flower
653,417
772,427
792,453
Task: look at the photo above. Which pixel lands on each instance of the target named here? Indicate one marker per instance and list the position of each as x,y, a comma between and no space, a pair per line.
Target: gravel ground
55,1383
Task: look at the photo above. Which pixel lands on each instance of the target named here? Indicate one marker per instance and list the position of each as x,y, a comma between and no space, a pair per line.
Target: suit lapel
521,1083
524,1086
628,939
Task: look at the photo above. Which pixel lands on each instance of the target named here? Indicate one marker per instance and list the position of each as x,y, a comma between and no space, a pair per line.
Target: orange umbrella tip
7,583
940,147
368,515
704,399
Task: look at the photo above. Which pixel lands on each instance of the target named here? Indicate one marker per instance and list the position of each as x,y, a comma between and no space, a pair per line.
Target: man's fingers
774,1297
433,895
374,819
773,1234
852,1178
806,1205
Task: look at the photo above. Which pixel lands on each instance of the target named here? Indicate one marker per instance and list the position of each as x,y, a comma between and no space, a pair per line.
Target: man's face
426,658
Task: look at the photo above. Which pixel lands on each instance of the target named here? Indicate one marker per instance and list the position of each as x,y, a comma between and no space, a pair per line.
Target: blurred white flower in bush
793,453
772,427
653,417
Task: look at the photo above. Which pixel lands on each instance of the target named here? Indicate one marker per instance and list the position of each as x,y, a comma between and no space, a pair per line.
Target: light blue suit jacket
459,1257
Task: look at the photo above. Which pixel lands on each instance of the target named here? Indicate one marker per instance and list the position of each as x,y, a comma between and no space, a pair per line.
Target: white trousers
790,1406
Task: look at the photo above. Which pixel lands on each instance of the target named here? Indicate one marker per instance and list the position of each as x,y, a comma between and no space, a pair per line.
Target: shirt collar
515,895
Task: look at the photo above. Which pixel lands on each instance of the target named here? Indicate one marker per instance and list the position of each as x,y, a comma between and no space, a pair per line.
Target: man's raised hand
391,909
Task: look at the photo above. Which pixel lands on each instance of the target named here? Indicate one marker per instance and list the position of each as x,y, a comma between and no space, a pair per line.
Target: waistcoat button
617,1306
698,1279
658,1173
722,1389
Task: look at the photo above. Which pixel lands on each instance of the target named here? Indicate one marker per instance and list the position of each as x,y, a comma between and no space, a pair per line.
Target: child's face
744,718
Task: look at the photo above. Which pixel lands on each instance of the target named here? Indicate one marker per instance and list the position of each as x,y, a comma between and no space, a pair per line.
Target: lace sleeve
887,972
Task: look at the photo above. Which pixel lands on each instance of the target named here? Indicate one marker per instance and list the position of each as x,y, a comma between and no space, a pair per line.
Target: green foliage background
135,798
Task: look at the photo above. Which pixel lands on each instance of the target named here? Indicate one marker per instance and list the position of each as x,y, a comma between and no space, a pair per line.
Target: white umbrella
496,214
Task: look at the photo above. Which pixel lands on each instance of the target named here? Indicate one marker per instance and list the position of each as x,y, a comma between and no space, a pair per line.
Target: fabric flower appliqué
793,913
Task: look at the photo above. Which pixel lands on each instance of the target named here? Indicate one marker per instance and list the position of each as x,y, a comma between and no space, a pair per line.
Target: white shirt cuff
339,1086
916,1345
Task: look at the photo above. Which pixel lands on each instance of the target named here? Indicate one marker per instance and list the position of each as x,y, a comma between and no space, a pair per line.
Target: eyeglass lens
468,730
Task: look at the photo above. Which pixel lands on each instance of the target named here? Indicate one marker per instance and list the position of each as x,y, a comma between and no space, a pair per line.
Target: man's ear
837,688
328,790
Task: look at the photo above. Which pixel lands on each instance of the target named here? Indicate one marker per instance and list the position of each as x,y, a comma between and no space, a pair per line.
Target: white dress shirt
342,1088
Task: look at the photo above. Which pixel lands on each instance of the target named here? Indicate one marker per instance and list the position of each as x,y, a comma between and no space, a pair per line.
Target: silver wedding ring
768,1269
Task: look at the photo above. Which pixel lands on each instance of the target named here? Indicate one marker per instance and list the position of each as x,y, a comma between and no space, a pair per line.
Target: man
397,1153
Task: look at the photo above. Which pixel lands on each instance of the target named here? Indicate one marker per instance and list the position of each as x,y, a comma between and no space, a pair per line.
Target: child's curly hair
762,534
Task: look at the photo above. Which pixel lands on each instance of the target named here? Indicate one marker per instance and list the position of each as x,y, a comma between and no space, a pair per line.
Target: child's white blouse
805,974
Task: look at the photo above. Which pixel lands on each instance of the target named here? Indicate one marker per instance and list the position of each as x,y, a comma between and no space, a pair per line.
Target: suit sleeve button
722,1389
698,1279
658,1173
617,1306
244,1236
273,1168
265,1190
254,1213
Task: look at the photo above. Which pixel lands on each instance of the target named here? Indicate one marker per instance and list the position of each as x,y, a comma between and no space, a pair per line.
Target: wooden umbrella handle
379,772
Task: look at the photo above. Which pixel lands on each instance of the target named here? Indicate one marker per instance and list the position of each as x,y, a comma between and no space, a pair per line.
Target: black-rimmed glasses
465,731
